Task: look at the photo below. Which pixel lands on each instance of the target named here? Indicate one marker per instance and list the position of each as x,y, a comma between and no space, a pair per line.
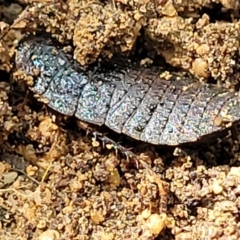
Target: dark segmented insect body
132,100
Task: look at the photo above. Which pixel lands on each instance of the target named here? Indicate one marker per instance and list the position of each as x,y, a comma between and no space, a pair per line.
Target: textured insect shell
131,99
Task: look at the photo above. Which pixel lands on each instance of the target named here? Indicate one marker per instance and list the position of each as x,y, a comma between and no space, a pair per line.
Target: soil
59,181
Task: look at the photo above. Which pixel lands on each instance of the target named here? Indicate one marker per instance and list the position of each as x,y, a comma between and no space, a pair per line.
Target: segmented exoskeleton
133,100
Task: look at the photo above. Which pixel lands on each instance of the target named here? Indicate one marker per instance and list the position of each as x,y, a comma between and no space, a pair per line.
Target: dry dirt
58,182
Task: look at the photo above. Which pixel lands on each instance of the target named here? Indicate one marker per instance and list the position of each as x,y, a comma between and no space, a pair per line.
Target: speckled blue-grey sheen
130,99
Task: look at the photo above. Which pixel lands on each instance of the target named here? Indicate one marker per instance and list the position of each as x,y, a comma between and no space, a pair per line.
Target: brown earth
57,182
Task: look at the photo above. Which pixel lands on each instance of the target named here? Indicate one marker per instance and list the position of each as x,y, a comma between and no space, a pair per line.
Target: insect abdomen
132,100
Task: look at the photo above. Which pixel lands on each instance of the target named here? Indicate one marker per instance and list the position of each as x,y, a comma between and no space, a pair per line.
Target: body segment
128,98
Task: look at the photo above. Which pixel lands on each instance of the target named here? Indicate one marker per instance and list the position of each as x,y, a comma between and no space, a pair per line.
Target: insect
127,98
